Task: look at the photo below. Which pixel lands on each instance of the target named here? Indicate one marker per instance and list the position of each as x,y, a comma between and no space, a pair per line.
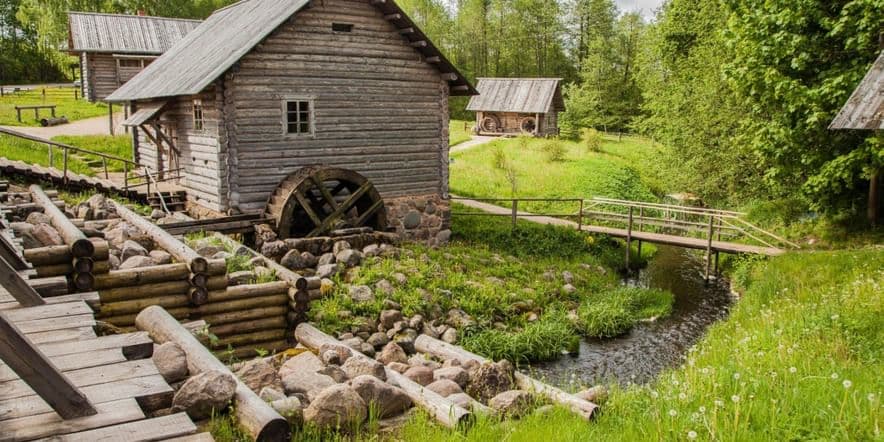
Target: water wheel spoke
343,208
308,209
325,193
368,213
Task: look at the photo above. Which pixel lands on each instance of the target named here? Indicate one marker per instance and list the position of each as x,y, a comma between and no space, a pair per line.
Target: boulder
568,277
326,271
241,277
398,367
309,260
171,361
459,318
309,383
131,248
97,202
400,278
112,260
444,387
292,260
325,259
568,289
274,249
390,317
46,235
490,379
290,408
349,258
203,393
334,372
355,367
367,349
388,400
302,363
450,335
337,407
371,250
270,394
405,339
85,212
156,214
160,257
137,262
513,403
420,375
361,293
384,287
465,401
257,374
334,353
340,246
456,374
420,360
38,218
353,342
377,339
392,352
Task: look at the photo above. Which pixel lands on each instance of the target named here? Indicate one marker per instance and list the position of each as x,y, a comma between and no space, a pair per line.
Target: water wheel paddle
316,200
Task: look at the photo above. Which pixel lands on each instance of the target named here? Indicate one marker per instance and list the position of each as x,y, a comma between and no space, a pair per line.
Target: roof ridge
146,17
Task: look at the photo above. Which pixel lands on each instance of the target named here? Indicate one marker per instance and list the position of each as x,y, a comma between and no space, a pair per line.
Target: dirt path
476,141
89,126
527,216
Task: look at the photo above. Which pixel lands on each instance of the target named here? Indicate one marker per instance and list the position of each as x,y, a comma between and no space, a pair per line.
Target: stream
650,347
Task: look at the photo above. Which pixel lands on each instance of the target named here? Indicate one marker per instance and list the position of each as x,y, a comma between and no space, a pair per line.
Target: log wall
511,123
101,71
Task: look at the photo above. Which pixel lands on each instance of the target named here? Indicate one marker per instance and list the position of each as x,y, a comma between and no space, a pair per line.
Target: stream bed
650,347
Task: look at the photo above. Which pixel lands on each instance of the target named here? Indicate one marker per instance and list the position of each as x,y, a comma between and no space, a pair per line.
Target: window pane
304,116
293,128
292,106
305,106
305,128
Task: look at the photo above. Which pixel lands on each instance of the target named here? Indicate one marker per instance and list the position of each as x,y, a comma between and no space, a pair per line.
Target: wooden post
641,225
629,238
252,412
51,162
65,167
13,282
126,176
104,163
515,212
435,347
110,117
8,252
580,217
36,370
709,247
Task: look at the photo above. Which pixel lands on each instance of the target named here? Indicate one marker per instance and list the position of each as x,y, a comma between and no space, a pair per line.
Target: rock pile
198,394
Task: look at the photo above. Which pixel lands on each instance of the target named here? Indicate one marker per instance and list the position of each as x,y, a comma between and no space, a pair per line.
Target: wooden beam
80,245
434,59
419,44
404,31
378,2
35,369
460,88
450,76
13,282
9,253
391,17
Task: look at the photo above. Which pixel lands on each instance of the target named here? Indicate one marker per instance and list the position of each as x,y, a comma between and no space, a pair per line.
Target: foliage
119,146
615,312
798,358
592,139
543,340
554,151
63,98
34,153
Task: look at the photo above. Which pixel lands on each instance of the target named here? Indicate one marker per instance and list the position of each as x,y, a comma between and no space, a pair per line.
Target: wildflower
682,396
654,394
672,412
675,382
847,384
705,370
834,375
835,317
735,398
719,403
871,397
736,375
702,409
793,369
692,434
773,374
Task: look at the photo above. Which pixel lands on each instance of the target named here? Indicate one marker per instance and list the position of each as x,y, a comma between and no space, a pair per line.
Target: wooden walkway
657,238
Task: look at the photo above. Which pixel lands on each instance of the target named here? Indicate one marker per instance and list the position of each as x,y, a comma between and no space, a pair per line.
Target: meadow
66,105
36,153
459,131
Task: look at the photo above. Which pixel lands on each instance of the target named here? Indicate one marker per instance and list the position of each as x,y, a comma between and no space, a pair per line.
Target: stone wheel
316,200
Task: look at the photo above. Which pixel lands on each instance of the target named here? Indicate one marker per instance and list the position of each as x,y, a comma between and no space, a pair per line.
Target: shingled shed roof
231,33
865,108
125,34
523,95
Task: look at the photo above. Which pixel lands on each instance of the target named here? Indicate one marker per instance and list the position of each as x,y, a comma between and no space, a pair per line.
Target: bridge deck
657,238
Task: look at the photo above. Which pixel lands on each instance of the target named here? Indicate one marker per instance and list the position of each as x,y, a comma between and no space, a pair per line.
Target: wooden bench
36,108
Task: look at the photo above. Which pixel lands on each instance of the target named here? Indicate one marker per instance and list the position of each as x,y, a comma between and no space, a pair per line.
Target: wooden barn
518,106
323,113
114,48
864,109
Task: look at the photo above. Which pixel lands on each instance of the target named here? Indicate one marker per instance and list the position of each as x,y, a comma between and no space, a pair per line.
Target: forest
739,91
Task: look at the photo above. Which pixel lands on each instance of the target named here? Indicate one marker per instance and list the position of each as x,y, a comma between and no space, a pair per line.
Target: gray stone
137,262
444,387
388,400
302,363
450,335
171,361
160,257
371,250
421,375
456,374
443,237
156,214
459,318
310,260
340,246
334,353
390,317
568,277
337,407
334,372
597,395
241,277
377,339
490,379
400,278
392,352
308,382
293,261
361,293
355,343
208,250
513,403
367,349
203,393
416,322
257,374
113,261
465,401
568,289
325,259
412,220
270,394
222,255
46,235
243,251
97,202
384,287
274,249
326,271
38,218
406,339
349,258
131,248
290,408
364,366
420,360
398,367
85,212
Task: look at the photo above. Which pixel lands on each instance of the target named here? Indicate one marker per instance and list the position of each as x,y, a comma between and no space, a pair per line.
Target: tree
795,62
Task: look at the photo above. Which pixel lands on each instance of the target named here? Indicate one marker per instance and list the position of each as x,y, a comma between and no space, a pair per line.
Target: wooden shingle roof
232,32
522,95
865,108
125,34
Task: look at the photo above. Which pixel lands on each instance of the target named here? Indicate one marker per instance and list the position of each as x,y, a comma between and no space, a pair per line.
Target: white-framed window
298,116
198,119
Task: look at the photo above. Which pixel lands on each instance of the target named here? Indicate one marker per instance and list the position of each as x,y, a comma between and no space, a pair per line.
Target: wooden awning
145,112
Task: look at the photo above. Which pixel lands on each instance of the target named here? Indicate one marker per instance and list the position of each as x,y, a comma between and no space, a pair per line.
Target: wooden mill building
517,106
114,48
265,88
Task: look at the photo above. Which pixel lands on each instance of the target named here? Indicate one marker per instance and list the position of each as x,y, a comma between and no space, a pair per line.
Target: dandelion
871,397
692,435
675,382
654,394
773,374
735,398
847,384
736,375
682,396
702,409
705,370
672,412
835,317
834,375
792,370
719,403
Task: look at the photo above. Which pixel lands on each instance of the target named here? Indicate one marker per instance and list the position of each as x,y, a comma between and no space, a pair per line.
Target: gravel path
477,140
89,126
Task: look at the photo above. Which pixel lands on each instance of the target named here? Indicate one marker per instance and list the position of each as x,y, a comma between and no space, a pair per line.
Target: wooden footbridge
714,231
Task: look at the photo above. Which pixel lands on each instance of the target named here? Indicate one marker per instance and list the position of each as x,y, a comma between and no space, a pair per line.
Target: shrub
617,311
592,139
555,151
500,161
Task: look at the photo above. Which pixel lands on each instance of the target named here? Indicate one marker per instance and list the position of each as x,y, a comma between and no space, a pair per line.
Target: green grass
622,170
119,146
67,106
34,153
799,358
499,277
459,131
617,311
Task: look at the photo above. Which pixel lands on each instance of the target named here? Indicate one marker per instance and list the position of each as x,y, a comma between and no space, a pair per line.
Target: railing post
65,176
515,212
126,177
709,247
580,217
629,237
51,163
641,225
104,162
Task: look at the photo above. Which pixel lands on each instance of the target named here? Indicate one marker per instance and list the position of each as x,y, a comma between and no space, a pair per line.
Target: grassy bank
36,153
64,100
799,358
558,169
512,283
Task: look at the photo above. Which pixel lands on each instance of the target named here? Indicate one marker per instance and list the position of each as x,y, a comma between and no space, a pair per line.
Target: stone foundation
425,219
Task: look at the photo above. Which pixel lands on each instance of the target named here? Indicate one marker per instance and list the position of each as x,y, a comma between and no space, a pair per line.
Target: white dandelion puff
735,398
793,369
672,412
834,376
847,384
692,435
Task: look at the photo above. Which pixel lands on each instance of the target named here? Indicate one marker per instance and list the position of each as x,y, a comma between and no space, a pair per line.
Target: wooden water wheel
316,200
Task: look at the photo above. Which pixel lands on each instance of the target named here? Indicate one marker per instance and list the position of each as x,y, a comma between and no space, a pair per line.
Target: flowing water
650,347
